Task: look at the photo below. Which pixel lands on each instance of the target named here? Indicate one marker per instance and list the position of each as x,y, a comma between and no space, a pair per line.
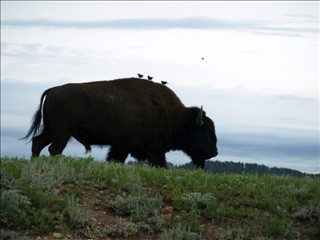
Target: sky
259,80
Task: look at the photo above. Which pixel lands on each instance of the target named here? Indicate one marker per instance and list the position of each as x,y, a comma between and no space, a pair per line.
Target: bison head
201,141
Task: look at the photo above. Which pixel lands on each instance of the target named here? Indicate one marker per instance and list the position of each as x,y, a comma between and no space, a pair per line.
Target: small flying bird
140,75
164,82
150,78
202,58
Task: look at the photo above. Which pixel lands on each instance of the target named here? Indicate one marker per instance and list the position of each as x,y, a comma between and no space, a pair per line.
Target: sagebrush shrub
78,216
180,233
123,229
12,205
311,213
194,201
131,205
45,174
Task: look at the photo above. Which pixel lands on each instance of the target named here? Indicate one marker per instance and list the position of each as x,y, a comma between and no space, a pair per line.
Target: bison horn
199,120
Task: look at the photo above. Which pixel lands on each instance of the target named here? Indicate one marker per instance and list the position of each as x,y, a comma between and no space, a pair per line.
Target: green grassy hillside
79,198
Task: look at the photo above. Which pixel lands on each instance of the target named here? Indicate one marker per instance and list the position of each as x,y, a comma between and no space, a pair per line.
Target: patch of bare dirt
102,219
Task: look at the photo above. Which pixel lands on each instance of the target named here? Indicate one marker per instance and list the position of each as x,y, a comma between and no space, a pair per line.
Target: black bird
202,58
150,78
140,75
164,82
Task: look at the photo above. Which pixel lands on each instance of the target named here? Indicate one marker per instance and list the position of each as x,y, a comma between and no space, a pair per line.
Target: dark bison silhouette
132,115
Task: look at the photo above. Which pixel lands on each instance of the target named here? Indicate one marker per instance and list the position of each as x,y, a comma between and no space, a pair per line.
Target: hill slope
65,197
247,168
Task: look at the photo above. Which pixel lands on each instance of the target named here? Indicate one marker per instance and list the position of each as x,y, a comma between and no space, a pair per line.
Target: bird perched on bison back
150,78
164,82
132,116
140,75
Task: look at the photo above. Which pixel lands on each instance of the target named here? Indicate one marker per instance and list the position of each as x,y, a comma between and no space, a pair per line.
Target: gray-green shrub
180,233
12,205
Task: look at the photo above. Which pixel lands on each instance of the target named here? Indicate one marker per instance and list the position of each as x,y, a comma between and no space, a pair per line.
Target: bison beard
136,116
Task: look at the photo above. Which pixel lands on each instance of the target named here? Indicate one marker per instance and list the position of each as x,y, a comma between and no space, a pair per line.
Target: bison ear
199,119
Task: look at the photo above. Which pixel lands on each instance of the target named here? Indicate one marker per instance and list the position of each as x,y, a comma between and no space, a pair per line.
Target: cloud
32,52
296,144
203,23
29,50
290,97
295,148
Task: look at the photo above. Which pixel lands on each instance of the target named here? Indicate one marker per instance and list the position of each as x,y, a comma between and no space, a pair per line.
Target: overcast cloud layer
263,27
259,80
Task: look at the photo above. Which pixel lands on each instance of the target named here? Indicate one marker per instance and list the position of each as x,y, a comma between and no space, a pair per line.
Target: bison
132,115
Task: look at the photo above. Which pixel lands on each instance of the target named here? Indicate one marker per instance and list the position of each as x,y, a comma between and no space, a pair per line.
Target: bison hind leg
59,143
40,142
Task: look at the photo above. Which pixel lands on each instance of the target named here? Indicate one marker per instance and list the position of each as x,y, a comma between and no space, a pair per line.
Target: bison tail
36,120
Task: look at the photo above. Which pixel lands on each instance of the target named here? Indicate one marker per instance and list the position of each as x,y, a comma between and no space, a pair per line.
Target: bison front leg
117,154
159,163
157,157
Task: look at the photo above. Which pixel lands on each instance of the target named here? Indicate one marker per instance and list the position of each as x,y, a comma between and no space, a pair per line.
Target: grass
83,198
